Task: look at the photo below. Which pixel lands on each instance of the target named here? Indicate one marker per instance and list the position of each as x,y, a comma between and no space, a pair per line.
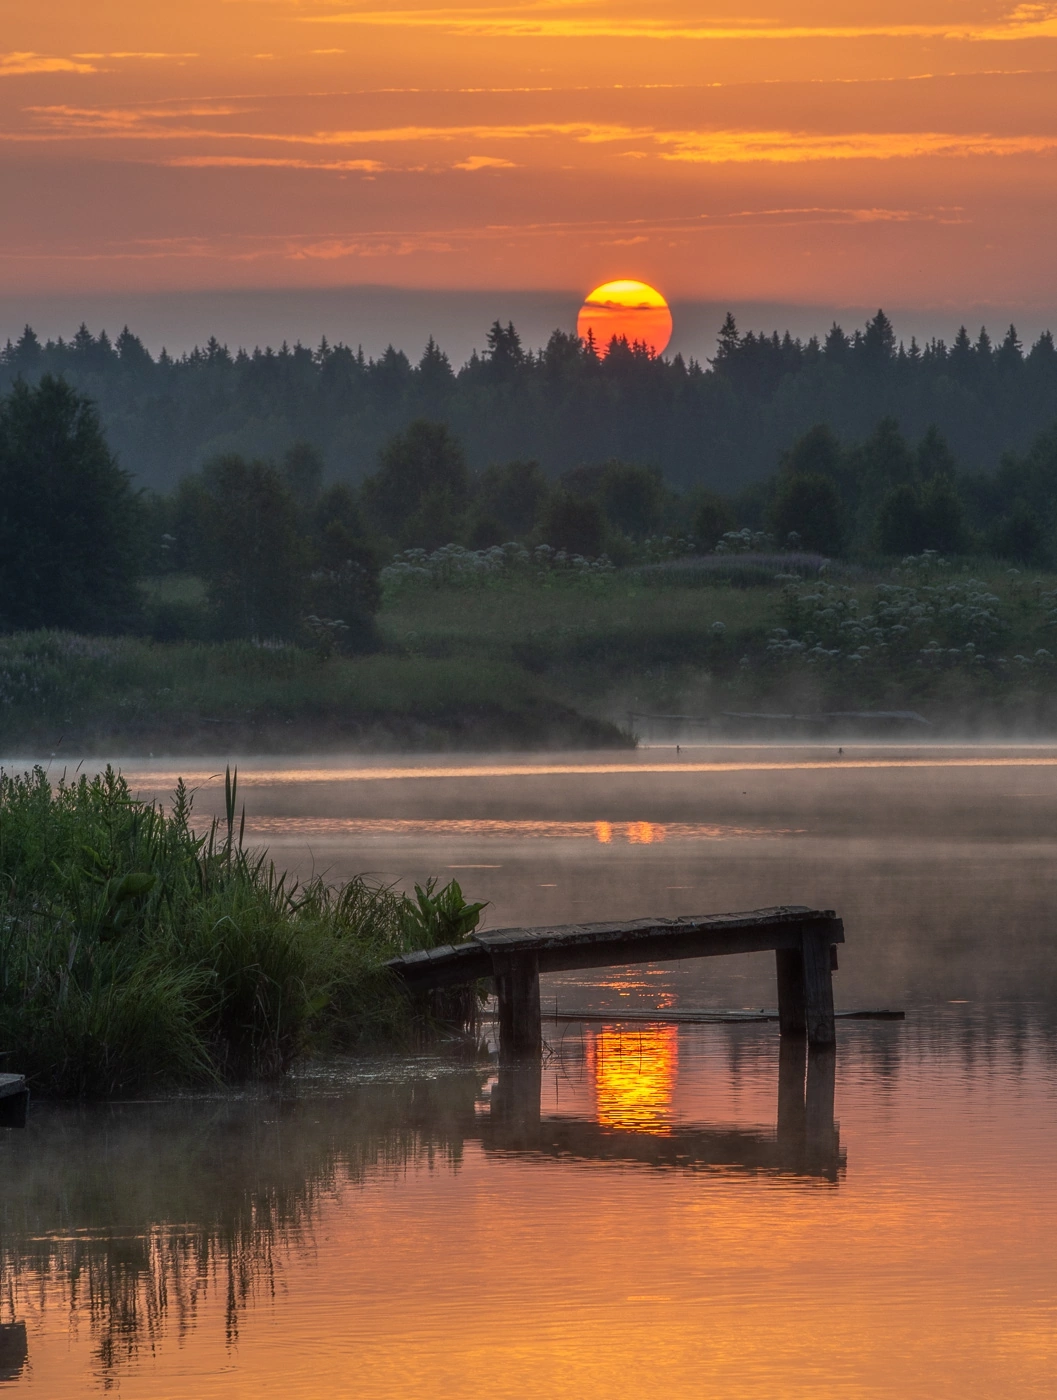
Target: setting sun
629,310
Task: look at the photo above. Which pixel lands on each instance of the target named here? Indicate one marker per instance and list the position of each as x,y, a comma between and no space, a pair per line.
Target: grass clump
135,952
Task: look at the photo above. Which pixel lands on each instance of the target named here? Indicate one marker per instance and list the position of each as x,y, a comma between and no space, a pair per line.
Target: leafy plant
436,917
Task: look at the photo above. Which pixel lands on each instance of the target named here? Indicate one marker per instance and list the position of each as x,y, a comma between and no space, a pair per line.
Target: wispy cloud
16,63
135,53
484,163
13,64
720,147
549,143
372,244
1030,21
276,162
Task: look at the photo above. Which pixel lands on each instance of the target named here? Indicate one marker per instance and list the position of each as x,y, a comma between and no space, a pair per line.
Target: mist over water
665,1210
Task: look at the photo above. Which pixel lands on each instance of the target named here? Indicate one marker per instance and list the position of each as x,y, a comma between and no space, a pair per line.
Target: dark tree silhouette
69,543
421,487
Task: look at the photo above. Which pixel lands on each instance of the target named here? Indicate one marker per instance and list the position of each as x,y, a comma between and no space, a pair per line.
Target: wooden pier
803,940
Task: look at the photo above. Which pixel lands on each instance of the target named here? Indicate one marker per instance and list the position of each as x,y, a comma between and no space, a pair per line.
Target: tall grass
135,952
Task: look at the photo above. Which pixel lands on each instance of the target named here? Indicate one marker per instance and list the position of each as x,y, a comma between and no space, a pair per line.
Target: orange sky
801,150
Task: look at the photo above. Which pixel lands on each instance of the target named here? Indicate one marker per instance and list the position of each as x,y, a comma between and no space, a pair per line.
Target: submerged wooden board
563,947
11,1084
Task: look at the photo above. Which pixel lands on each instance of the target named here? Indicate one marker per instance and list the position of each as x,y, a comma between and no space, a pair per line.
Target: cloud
484,163
722,147
14,64
543,144
1031,21
276,162
135,53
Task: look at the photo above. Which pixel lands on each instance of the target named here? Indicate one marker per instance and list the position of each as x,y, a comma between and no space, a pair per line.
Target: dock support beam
517,987
805,988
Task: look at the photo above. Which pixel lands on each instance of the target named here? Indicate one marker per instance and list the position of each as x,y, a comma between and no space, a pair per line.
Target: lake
667,1209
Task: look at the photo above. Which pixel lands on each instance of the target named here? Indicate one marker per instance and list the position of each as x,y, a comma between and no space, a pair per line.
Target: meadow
477,659
966,644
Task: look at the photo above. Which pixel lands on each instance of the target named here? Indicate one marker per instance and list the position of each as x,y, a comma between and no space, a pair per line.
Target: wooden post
517,985
792,1013
818,988
805,988
791,1088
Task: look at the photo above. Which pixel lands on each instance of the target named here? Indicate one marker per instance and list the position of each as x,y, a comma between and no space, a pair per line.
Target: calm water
667,1210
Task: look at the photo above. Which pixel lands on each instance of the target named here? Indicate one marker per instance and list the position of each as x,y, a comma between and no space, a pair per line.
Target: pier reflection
633,1122
137,1221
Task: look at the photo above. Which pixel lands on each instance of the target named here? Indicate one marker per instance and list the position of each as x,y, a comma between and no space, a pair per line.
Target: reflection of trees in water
133,1215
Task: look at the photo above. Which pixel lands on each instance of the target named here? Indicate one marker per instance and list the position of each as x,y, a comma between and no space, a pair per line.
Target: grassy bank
135,952
63,694
486,662
967,646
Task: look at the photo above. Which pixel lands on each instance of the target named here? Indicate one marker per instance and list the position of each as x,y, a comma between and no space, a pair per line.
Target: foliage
437,917
278,554
69,540
454,566
629,496
713,520
807,511
914,518
913,621
136,952
509,498
574,523
248,546
420,489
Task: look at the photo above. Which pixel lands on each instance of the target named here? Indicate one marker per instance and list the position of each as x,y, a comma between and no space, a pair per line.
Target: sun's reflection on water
633,1073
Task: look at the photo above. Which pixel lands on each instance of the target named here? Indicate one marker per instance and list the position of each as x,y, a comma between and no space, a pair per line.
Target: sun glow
625,310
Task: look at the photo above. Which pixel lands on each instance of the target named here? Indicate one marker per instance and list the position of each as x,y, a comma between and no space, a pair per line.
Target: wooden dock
803,940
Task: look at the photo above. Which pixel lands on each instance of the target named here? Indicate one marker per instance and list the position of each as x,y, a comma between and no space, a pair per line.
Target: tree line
282,551
719,425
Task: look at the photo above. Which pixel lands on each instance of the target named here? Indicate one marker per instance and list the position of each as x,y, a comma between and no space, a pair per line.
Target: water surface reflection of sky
664,1210
371,1232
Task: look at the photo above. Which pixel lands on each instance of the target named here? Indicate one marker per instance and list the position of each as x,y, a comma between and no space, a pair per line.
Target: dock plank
563,947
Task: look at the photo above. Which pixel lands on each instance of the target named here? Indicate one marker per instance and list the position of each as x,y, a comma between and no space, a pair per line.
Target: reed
136,952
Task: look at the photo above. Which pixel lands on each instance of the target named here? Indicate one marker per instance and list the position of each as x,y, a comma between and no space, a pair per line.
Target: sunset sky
889,153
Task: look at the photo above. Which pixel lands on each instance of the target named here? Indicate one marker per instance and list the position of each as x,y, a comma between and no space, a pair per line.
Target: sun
634,311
